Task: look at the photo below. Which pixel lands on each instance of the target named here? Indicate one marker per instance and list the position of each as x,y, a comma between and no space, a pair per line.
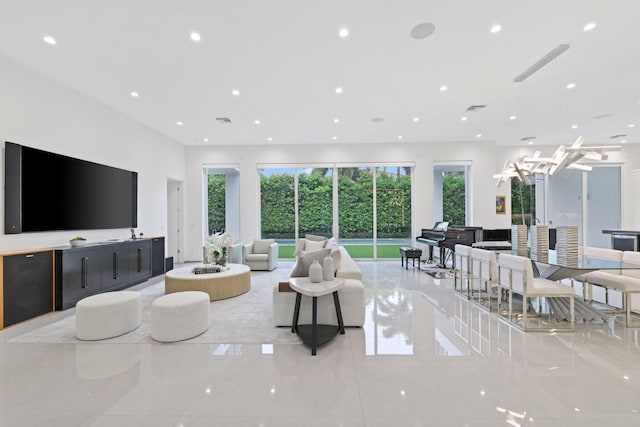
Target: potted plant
78,241
218,249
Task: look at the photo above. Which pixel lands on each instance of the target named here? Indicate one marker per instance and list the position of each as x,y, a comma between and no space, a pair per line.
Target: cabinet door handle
29,256
115,265
139,260
83,280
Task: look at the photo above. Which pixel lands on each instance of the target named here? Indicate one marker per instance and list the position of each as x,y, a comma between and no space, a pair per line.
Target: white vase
328,268
315,272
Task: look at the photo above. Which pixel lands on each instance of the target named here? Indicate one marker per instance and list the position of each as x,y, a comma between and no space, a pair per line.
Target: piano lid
441,226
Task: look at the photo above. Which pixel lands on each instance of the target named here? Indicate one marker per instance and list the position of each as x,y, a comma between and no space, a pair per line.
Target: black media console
103,267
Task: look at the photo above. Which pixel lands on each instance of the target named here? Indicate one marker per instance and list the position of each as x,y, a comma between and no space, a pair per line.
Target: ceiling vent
618,136
223,120
528,138
602,116
476,107
557,51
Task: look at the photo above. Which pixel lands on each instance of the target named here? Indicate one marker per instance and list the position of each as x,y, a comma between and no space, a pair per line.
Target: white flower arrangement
218,247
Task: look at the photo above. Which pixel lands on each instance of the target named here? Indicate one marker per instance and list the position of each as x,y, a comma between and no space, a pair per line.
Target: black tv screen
46,191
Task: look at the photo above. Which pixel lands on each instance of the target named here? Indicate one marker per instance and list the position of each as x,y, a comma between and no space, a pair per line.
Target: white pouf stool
180,316
108,315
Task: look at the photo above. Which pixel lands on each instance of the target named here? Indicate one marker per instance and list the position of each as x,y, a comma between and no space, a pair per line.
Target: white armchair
261,254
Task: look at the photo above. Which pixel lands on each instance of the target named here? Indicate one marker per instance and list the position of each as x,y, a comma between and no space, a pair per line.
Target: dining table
549,266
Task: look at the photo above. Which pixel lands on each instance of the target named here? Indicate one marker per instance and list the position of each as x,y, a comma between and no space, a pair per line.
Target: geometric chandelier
563,158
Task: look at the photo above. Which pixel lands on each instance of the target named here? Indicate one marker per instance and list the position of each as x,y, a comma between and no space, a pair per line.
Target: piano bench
410,253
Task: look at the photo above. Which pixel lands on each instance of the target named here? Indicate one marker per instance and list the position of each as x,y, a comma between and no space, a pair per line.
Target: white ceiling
286,59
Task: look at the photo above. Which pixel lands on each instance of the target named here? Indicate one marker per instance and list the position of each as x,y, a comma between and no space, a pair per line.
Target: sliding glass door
368,208
355,210
278,208
315,201
393,210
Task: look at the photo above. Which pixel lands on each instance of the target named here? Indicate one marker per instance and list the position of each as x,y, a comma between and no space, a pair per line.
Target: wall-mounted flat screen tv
46,192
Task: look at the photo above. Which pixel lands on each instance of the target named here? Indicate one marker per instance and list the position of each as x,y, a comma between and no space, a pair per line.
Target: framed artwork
501,205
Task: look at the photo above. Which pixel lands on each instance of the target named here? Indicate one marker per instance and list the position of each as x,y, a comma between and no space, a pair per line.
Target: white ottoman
180,316
108,315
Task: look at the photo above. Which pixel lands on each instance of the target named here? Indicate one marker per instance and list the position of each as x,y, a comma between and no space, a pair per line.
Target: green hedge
355,199
216,203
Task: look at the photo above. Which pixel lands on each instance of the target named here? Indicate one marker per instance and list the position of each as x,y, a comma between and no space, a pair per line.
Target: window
393,211
523,201
369,206
315,201
216,203
451,193
278,208
221,194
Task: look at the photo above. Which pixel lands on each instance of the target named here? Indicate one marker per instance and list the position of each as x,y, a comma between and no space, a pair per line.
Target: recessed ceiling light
334,138
206,139
422,31
336,120
195,36
624,141
463,118
399,136
344,32
512,117
134,94
235,92
479,135
631,125
338,90
269,139
179,123
530,142
443,88
416,119
590,26
496,28
49,40
571,85
574,126
257,122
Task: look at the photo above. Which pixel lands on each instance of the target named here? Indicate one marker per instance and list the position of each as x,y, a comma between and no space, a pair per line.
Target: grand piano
445,237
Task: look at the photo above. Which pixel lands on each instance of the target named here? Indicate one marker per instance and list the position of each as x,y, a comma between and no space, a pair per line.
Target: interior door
604,209
565,200
174,220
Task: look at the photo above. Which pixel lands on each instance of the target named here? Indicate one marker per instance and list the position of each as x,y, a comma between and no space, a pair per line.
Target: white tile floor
425,357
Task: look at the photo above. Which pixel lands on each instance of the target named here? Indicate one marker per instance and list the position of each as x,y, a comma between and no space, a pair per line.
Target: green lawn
356,251
286,251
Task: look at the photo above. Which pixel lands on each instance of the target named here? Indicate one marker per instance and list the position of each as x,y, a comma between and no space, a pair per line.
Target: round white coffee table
226,284
315,334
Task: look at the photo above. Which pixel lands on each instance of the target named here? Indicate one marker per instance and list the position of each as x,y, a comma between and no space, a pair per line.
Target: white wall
482,156
40,113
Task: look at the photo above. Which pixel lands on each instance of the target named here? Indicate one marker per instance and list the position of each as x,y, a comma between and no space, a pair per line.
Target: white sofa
352,303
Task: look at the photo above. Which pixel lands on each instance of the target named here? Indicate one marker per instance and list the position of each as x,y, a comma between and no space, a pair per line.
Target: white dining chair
484,276
515,275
